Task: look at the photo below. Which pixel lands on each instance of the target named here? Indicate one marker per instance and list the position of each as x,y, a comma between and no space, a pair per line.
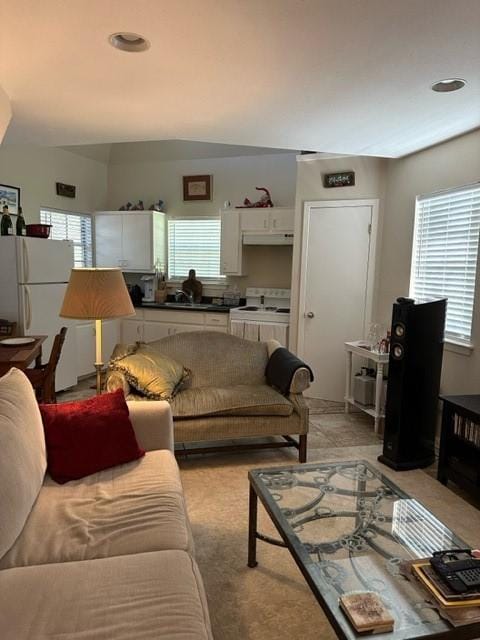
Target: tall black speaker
415,366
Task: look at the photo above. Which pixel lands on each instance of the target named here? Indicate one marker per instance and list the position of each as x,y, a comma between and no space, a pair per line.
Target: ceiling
338,76
166,150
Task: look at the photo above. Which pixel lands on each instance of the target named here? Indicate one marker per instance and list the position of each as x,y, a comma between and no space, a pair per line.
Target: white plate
16,342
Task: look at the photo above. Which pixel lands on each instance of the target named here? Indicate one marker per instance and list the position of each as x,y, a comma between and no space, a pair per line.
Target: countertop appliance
266,315
148,288
33,278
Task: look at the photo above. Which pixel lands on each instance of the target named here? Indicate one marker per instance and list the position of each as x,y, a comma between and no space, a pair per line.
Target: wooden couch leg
302,448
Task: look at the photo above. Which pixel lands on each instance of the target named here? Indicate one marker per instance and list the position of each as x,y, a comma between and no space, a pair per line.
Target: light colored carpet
318,407
272,601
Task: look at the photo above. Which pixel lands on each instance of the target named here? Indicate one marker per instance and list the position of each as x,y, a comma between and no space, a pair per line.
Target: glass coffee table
349,528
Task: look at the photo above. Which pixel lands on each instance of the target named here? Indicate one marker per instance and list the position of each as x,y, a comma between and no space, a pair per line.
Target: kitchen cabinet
282,219
269,220
255,220
85,335
153,324
132,331
231,263
133,241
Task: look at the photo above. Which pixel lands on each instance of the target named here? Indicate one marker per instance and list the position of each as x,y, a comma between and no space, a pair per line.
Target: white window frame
455,342
87,247
175,280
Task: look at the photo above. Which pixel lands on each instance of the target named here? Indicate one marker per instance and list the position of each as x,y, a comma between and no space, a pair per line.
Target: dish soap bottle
6,227
21,227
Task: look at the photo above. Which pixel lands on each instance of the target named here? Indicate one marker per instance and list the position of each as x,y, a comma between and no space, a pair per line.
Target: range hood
268,238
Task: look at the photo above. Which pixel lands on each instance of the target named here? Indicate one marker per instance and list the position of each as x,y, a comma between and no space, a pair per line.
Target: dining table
21,356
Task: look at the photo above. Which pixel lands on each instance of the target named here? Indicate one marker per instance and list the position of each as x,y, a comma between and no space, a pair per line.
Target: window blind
194,244
444,260
76,227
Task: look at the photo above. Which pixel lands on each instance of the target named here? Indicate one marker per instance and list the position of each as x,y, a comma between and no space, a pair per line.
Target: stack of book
366,612
457,608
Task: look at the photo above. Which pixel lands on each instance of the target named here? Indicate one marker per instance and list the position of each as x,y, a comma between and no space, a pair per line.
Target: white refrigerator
33,278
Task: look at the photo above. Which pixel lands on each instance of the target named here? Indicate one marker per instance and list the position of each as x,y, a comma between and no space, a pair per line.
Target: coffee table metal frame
301,555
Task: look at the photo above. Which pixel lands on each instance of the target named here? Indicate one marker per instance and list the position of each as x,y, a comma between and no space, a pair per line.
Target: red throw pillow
87,436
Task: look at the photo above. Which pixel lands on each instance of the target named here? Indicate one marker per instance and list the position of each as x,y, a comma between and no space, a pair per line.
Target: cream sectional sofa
108,557
226,395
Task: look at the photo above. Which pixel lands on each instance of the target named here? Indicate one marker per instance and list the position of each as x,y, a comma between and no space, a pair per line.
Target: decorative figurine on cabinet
265,201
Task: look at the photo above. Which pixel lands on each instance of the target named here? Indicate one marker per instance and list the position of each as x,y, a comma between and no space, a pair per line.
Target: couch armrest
153,424
300,407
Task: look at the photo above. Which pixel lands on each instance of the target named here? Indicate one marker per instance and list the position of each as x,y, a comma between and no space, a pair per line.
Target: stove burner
283,310
270,308
248,308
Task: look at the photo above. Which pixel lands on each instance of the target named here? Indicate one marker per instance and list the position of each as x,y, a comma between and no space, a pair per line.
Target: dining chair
43,377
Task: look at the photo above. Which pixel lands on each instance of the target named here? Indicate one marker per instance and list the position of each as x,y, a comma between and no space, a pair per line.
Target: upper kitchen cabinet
231,244
133,241
267,220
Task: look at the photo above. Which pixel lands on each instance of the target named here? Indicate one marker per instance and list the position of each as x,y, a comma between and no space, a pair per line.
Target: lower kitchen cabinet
132,331
153,324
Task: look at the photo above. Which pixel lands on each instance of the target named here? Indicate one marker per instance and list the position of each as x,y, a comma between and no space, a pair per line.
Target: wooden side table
459,458
381,360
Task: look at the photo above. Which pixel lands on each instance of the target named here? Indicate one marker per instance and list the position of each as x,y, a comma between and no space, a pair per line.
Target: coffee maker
148,288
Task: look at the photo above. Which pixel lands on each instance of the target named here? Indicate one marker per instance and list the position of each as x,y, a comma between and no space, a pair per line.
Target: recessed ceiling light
129,41
449,84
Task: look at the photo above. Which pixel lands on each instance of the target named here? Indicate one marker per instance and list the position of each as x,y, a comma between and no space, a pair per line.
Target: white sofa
108,557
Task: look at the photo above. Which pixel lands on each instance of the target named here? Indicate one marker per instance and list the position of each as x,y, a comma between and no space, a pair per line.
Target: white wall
36,170
370,178
451,164
5,113
234,179
130,178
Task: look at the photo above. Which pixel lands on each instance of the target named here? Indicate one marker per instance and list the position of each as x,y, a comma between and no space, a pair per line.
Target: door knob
310,314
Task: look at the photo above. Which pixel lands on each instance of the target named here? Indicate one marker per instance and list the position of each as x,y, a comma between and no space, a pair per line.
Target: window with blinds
444,259
76,227
194,243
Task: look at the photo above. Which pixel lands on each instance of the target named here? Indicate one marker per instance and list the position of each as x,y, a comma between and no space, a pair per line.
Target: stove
264,305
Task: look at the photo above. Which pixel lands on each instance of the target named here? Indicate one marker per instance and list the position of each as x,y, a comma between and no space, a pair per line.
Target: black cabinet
459,458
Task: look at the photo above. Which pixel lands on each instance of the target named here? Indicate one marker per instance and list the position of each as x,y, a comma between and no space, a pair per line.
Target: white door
336,281
137,242
40,260
40,306
108,240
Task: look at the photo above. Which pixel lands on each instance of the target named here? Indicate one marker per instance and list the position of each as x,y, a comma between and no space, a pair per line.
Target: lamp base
99,370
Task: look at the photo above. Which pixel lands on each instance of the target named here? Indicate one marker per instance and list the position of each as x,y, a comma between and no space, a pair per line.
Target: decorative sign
197,187
340,179
66,190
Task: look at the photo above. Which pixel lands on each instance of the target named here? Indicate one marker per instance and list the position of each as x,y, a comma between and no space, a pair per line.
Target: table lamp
96,294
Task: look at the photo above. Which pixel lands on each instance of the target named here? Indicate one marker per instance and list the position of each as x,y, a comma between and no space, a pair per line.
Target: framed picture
197,187
9,196
66,190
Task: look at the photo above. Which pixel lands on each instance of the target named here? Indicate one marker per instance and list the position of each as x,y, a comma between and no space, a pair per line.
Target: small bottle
21,227
6,226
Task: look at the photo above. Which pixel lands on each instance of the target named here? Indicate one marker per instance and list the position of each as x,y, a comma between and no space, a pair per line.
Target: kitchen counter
185,306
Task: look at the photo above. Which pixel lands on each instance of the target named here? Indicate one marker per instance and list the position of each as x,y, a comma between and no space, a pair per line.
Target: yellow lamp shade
94,294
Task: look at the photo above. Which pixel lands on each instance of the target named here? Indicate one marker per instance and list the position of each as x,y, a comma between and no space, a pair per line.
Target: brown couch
107,557
226,395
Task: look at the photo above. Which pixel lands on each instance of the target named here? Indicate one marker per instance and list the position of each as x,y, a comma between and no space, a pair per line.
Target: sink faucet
180,292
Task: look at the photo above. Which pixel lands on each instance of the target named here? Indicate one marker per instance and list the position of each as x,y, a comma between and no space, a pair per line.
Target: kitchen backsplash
266,266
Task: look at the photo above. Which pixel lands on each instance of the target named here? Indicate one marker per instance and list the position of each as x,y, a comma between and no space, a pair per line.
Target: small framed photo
197,188
9,196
